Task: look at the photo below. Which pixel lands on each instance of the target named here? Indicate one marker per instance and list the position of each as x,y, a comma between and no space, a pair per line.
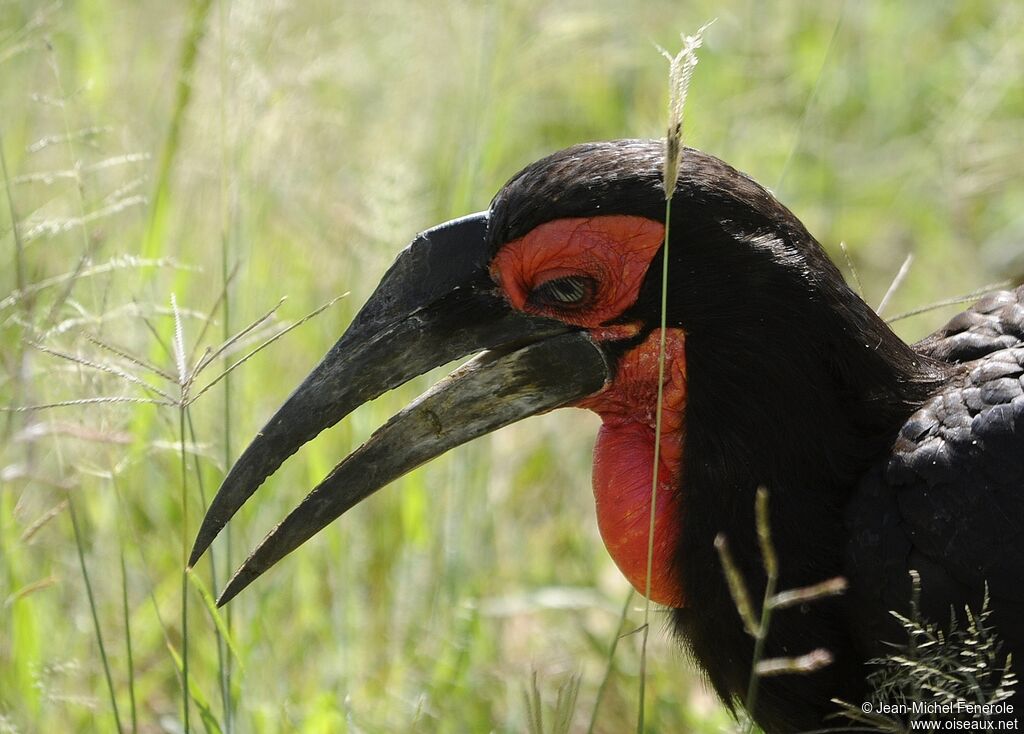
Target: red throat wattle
615,252
624,464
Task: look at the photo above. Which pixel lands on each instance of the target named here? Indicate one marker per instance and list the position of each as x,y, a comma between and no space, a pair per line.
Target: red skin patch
616,252
624,462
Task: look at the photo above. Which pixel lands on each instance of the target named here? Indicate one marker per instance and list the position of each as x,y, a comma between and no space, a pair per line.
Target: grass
313,142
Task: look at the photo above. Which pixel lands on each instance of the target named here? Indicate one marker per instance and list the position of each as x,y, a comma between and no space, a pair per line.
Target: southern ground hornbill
879,457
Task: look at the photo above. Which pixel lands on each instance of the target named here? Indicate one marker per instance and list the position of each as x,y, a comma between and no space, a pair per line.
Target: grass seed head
680,71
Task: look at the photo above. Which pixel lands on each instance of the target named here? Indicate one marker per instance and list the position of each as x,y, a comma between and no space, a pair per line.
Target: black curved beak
435,304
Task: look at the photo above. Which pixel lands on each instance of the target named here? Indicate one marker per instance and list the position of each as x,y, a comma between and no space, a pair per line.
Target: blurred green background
290,149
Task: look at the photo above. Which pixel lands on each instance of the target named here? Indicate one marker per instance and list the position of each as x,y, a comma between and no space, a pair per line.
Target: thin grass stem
120,262
94,612
85,401
131,358
853,269
238,363
232,340
144,565
681,67
737,586
955,301
19,281
128,643
894,286
227,275
221,651
807,594
656,465
802,125
225,282
601,689
129,650
101,367
19,247
88,245
182,97
182,418
771,568
155,333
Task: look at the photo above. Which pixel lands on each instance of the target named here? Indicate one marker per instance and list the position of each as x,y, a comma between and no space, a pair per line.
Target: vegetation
172,170
959,668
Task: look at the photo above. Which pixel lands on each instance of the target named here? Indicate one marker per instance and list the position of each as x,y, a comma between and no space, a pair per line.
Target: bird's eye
568,291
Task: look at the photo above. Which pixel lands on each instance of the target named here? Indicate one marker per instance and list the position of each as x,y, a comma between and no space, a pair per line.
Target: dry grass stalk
680,72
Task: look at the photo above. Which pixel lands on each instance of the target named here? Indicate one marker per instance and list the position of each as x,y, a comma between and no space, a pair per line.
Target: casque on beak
435,304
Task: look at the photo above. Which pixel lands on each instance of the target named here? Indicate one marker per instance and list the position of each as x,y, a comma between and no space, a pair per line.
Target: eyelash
571,291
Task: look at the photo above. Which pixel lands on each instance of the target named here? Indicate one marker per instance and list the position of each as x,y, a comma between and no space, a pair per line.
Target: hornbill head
557,289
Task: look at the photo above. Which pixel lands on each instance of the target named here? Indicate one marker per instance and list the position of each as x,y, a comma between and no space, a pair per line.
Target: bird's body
943,496
949,498
879,457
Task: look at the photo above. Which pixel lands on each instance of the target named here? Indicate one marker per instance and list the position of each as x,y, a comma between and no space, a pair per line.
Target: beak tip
229,593
202,542
238,583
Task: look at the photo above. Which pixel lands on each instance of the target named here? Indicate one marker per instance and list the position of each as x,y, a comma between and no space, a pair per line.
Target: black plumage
949,501
880,457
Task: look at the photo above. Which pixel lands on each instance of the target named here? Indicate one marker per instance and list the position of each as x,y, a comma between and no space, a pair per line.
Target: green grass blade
128,642
94,612
610,664
206,714
215,614
182,414
159,207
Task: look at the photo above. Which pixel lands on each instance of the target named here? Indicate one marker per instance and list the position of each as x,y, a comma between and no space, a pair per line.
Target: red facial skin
616,251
